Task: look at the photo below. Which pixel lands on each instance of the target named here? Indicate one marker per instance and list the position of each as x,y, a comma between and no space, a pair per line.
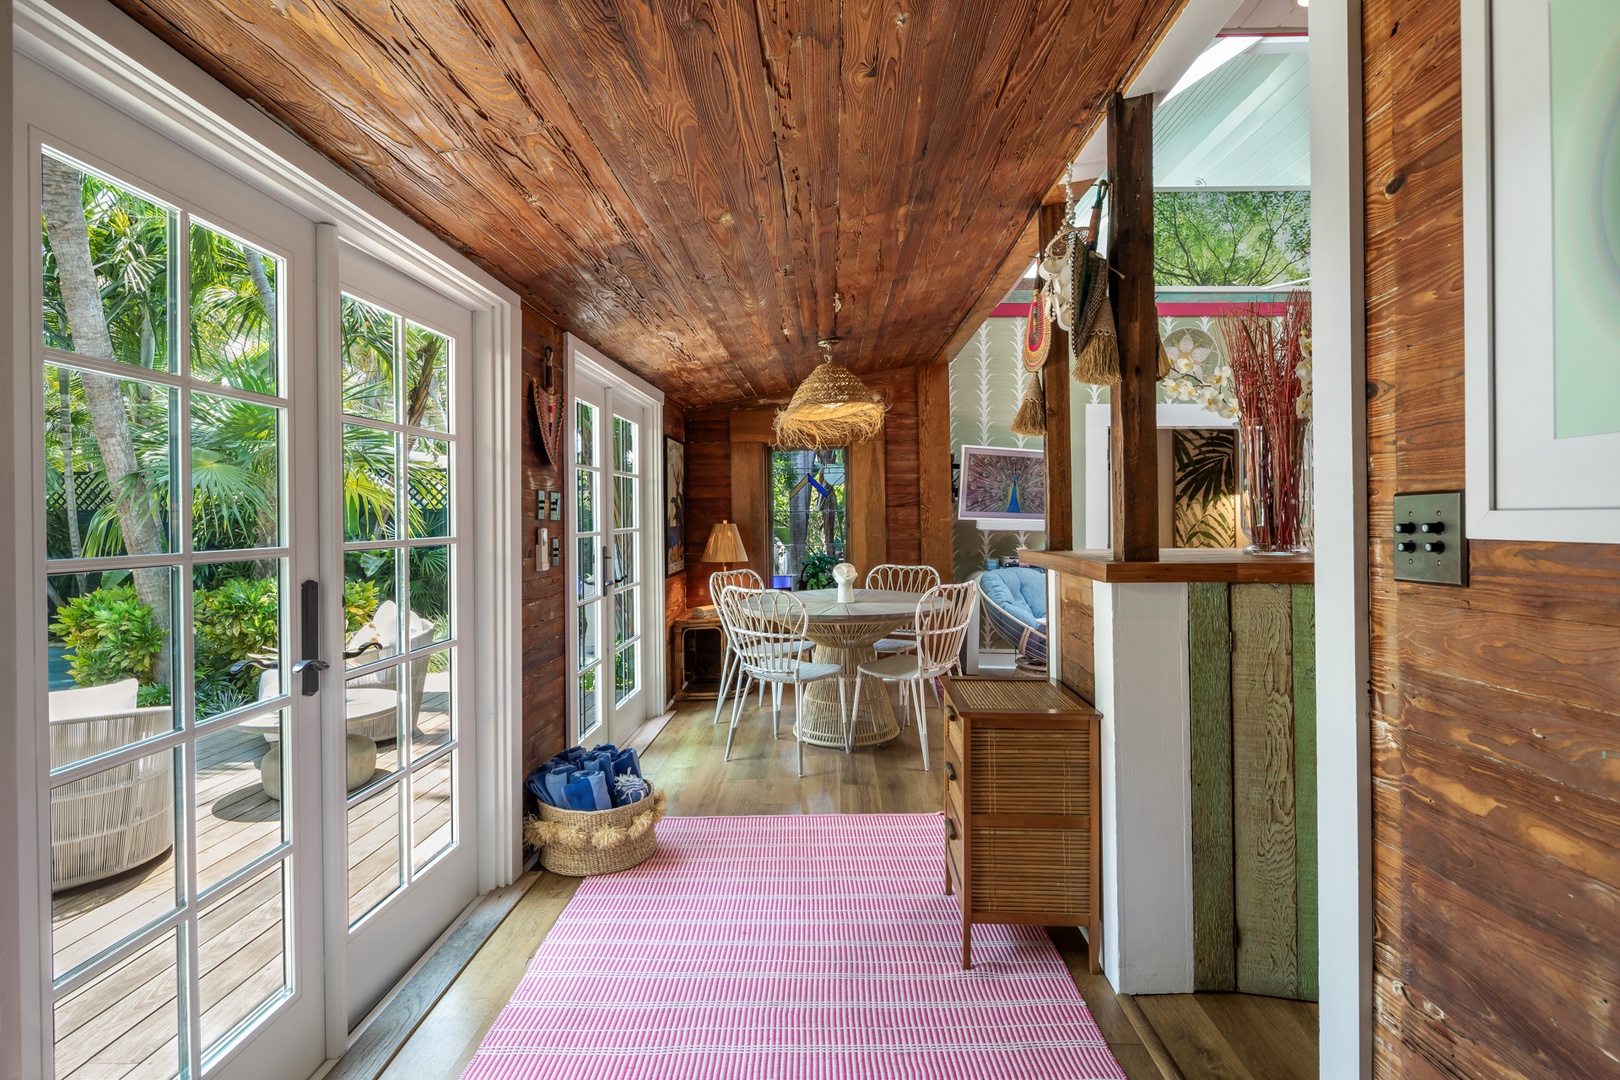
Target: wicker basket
581,843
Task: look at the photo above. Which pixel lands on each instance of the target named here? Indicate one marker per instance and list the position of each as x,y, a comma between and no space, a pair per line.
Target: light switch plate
1432,520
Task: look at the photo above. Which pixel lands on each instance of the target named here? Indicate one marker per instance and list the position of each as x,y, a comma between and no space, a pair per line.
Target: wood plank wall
674,584
545,714
711,477
1496,708
1253,716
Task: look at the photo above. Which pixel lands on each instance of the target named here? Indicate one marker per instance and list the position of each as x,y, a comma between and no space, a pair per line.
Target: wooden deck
124,1022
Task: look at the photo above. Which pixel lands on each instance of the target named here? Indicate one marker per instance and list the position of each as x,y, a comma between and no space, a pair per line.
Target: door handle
311,665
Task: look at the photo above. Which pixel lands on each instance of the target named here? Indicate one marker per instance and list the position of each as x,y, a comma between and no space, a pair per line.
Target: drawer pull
950,829
950,771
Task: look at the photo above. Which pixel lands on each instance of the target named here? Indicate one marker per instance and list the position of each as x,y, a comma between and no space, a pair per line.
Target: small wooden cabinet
1021,806
697,651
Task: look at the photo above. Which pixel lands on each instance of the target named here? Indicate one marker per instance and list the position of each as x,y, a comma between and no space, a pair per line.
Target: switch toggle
1419,552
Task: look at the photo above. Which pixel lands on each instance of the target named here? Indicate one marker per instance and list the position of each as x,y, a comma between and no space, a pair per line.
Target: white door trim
581,358
1343,726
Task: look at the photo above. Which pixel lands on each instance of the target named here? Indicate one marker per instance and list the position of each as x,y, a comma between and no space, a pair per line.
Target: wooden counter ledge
1179,564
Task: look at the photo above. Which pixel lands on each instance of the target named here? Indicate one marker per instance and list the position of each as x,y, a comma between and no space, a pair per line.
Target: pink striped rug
789,948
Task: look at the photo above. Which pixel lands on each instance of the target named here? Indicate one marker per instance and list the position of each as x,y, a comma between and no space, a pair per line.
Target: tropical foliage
1234,238
114,443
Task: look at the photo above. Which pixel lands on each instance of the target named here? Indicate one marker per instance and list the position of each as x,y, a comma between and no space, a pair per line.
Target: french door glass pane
235,474
371,613
241,946
371,707
624,445
125,1021
117,254
430,588
234,333
585,501
239,786
584,433
624,615
236,641
93,511
624,558
110,658
624,672
586,568
432,822
427,379
370,341
434,720
113,871
587,633
588,717
427,472
374,836
624,502
370,483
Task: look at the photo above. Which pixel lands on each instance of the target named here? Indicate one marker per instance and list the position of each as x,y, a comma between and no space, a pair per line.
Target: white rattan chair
730,669
119,818
767,630
942,621
897,577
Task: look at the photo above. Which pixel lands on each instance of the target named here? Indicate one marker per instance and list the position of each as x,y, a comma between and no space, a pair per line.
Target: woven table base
849,645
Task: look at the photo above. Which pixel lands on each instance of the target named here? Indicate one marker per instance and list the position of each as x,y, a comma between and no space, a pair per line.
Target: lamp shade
830,408
725,545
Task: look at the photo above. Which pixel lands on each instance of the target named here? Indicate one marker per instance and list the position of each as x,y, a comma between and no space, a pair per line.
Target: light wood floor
1191,1036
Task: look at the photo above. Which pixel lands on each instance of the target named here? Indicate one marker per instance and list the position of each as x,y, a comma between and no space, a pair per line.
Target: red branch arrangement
1271,379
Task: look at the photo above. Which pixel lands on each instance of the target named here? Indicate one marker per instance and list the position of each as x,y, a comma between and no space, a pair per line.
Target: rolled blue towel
582,792
555,784
535,782
629,789
598,762
573,755
626,763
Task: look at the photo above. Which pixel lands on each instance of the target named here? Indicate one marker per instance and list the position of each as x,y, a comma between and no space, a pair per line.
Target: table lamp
725,546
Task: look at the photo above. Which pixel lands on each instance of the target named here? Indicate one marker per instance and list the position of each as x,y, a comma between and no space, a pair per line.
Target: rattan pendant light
830,408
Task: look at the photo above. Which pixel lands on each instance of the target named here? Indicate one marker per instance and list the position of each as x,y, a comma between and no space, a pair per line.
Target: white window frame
95,46
580,358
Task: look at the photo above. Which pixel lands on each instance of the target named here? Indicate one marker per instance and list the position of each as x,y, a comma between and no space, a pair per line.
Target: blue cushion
1020,591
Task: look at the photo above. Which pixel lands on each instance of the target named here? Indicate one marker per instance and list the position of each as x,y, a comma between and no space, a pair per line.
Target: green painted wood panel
1305,785
1265,893
1209,629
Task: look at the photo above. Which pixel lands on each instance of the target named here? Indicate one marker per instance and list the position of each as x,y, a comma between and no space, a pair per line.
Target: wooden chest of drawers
1021,806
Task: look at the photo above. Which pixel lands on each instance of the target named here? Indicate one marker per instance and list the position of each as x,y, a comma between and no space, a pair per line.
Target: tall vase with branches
1270,358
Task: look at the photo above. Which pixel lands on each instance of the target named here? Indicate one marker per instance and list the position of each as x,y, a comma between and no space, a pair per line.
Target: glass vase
1274,485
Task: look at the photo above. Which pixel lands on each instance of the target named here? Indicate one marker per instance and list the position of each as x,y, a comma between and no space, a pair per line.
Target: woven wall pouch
1037,333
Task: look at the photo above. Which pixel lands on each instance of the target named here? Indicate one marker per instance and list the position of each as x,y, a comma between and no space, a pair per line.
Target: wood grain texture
1263,814
545,713
701,190
1177,564
1055,443
935,514
1134,431
1305,848
1496,789
1078,649
1209,651
867,520
751,503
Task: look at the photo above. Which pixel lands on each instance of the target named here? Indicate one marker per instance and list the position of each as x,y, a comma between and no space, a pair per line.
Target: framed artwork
1541,250
674,506
1002,484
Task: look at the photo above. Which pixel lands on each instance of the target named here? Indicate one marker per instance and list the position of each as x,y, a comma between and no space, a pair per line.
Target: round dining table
844,635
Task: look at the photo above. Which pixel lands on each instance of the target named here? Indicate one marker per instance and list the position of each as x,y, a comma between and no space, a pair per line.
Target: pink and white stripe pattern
790,948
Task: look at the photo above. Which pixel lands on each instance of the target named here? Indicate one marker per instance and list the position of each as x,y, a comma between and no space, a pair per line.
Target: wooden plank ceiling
702,188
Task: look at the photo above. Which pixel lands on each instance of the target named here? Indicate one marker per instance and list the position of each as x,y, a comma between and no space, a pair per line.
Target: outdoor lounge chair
1013,599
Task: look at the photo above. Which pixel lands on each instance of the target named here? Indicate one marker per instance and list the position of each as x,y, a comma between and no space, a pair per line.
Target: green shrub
817,572
360,601
112,634
241,618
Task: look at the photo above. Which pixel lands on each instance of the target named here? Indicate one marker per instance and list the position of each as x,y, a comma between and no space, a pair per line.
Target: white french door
616,448
256,753
180,833
398,471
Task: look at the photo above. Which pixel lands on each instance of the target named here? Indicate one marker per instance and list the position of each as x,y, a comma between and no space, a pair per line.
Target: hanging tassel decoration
1096,349
1031,418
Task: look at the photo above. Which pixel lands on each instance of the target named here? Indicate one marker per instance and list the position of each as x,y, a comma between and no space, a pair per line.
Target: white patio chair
730,670
899,577
768,631
121,817
942,621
